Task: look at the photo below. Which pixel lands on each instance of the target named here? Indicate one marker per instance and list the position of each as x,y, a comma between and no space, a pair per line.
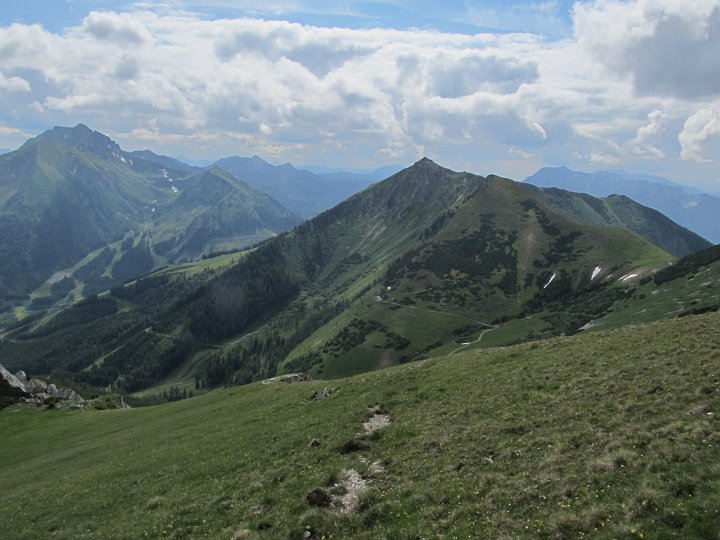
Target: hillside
689,207
621,211
608,435
78,210
217,212
426,263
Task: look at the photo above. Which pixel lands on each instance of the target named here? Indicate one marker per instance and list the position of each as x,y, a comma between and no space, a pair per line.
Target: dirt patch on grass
353,485
375,422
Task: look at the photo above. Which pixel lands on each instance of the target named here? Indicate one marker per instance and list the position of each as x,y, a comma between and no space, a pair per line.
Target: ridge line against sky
491,86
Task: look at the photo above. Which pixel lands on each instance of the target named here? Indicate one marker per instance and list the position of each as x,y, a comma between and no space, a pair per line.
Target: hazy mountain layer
689,207
302,191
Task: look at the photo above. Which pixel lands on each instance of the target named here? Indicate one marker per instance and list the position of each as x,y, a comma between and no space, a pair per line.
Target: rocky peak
85,139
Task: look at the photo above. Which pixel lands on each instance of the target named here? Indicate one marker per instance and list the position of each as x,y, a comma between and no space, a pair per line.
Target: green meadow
608,434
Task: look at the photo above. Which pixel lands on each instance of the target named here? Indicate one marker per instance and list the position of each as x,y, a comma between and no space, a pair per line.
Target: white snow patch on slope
595,273
549,281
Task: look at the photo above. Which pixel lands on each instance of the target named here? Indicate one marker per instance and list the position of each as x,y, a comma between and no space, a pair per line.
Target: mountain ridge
72,192
689,207
418,265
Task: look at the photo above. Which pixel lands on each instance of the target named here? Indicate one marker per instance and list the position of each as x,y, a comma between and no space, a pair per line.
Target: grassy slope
610,434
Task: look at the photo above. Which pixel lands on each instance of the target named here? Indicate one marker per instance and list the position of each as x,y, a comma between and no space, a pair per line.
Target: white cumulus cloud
700,137
666,47
635,85
13,84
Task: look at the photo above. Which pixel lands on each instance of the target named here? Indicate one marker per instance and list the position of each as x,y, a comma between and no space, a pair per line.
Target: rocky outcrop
36,386
17,388
12,390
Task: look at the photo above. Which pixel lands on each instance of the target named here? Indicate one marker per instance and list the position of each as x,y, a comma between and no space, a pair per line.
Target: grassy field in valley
610,434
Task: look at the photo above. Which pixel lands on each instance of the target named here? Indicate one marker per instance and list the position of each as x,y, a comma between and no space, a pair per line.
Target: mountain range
689,207
79,215
304,192
469,356
420,264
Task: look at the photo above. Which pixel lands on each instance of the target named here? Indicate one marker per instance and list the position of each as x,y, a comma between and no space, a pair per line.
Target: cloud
667,47
700,137
646,141
453,76
119,28
127,68
13,84
320,50
191,84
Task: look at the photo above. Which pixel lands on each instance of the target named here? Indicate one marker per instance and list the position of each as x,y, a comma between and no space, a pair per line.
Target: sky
502,87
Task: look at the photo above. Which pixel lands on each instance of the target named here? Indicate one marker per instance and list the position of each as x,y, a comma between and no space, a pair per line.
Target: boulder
11,389
21,376
52,390
69,394
36,386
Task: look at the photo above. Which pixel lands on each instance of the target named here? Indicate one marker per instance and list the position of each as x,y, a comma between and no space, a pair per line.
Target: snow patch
174,189
549,281
595,273
627,277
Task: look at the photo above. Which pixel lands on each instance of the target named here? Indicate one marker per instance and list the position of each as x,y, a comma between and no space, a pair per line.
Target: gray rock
21,376
11,389
36,386
52,390
69,394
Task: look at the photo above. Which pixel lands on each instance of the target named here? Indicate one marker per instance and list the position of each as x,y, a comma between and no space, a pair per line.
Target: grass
213,263
650,302
608,434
